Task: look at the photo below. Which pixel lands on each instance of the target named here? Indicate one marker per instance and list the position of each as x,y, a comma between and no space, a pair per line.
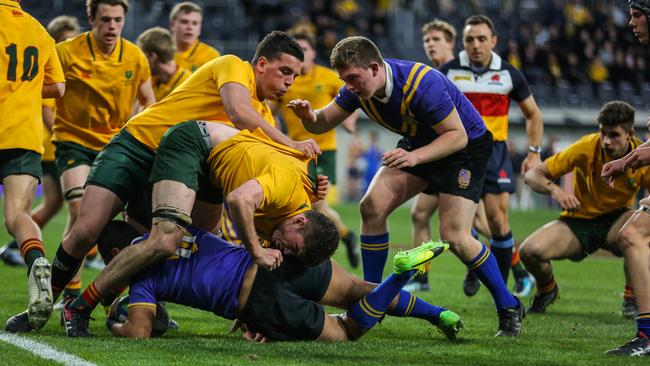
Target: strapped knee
73,193
173,215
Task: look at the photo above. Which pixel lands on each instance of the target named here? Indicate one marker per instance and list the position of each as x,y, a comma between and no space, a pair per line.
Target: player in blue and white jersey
445,148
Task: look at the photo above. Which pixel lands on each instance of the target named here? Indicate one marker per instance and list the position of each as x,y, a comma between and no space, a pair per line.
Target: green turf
582,324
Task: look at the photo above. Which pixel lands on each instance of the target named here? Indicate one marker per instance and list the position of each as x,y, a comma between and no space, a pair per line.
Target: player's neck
442,60
381,92
184,46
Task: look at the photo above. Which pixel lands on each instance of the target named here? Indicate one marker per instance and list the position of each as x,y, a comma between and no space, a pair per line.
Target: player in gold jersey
158,45
30,71
595,211
185,24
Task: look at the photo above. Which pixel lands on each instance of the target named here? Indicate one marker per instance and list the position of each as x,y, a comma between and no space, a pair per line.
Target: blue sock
474,233
367,311
485,267
501,247
374,252
412,306
643,324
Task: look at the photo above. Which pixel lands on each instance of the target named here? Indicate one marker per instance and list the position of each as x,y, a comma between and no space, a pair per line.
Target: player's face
310,55
287,238
479,41
187,27
107,24
275,76
436,47
639,24
615,140
360,80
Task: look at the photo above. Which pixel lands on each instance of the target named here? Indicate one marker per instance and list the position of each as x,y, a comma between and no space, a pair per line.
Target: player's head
277,61
185,22
107,19
63,27
308,45
479,38
310,236
158,45
616,126
358,63
639,12
116,236
438,39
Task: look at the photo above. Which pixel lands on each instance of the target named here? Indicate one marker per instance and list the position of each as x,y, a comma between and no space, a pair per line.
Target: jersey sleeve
431,103
347,100
520,90
141,290
230,69
53,69
564,161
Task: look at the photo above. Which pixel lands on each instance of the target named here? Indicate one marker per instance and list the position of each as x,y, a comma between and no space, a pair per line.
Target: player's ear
301,220
374,66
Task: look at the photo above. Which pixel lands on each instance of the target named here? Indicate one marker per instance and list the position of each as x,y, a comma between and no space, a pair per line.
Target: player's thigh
18,194
389,189
206,215
496,204
456,214
173,194
74,179
635,230
345,288
554,240
612,234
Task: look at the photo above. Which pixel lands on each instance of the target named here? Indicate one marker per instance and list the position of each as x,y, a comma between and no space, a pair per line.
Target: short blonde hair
355,51
61,24
184,7
440,25
157,40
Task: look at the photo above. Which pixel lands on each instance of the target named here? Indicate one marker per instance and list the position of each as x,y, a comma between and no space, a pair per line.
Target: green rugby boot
419,257
450,324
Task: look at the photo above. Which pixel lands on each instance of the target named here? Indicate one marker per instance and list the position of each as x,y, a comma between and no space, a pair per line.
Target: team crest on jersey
495,80
631,183
464,177
128,74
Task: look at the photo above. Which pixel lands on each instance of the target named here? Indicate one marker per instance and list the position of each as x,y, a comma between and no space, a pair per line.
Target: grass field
576,330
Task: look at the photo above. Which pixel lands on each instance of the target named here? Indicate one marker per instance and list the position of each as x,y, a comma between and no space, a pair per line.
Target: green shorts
592,233
20,162
70,154
123,167
49,170
326,165
182,157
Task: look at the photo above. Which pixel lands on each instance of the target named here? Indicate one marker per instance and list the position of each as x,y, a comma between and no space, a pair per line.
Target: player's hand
399,158
566,200
302,109
638,158
254,337
268,258
532,160
309,148
323,186
612,170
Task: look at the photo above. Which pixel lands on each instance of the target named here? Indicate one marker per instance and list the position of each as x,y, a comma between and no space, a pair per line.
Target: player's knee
527,251
419,217
369,210
497,223
629,237
165,238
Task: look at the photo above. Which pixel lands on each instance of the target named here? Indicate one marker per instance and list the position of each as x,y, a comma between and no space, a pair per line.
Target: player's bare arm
237,104
242,203
48,117
321,120
138,324
145,94
55,90
451,138
540,180
534,130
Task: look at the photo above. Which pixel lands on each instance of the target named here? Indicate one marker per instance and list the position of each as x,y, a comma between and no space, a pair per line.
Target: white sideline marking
43,351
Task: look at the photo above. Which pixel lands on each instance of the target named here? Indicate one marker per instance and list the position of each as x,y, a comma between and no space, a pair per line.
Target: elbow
60,89
529,177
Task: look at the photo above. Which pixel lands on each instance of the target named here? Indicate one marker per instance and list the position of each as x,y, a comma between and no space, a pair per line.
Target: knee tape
173,215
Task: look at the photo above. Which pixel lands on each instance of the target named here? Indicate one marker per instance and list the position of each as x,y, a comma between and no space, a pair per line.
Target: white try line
43,350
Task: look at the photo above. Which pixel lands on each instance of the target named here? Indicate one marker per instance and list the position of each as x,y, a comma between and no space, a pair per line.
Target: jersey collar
495,63
389,84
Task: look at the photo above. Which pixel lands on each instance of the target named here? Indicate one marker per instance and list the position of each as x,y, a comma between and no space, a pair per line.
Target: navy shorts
499,177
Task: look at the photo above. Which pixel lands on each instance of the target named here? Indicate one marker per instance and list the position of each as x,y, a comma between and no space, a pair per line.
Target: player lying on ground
211,274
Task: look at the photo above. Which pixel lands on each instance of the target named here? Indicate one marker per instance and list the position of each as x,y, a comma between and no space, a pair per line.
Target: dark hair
355,51
116,234
276,43
640,5
481,19
92,5
617,113
321,238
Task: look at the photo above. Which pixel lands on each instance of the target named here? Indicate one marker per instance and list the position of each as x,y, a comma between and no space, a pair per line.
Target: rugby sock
371,308
72,289
412,306
518,269
374,252
485,267
92,252
64,267
88,299
31,250
628,293
544,287
501,247
643,324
